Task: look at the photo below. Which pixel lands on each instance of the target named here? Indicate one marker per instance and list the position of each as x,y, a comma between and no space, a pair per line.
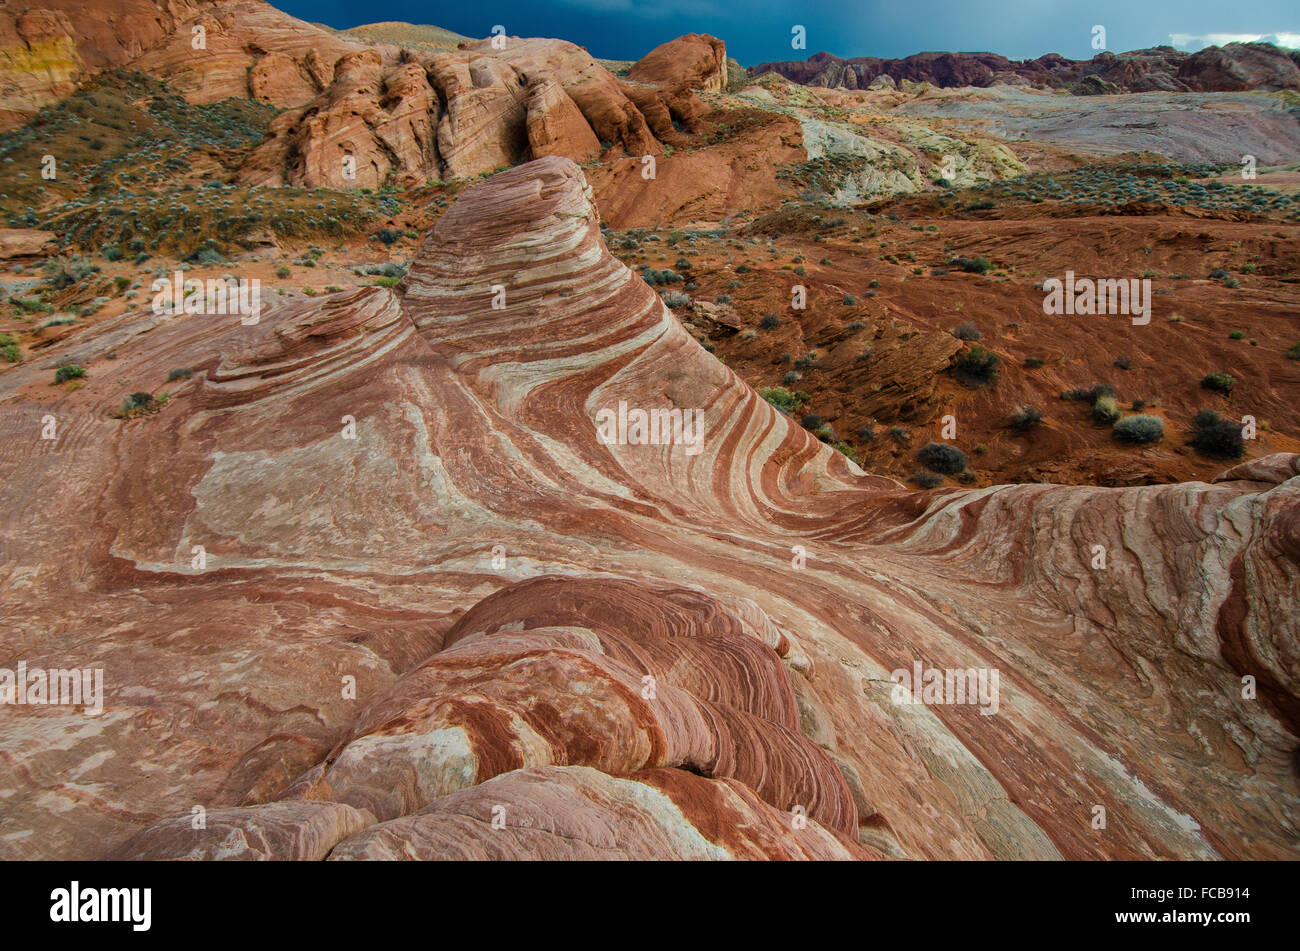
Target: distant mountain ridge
1231,68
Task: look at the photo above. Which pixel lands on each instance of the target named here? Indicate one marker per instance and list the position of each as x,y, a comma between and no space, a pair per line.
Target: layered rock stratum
371,584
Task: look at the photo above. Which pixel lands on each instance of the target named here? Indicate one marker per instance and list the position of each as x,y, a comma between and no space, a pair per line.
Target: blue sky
759,30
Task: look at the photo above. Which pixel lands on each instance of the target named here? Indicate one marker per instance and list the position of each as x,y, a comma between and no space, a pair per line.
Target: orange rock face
207,49
696,60
452,114
398,574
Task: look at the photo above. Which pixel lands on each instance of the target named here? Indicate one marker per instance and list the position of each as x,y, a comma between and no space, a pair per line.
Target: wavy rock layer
439,616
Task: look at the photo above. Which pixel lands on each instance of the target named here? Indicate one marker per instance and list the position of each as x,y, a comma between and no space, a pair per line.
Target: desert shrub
1106,409
389,236
1219,382
769,322
113,253
812,421
675,298
849,300
899,435
1216,436
180,373
1091,394
1124,363
9,348
866,433
282,272
791,376
1025,417
1237,335
972,265
941,457
1033,363
926,480
1293,353
966,331
845,449
977,366
69,371
1139,429
785,400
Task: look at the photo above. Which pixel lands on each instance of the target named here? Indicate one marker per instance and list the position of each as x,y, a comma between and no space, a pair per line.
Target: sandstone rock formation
452,114
371,585
208,49
1236,66
695,60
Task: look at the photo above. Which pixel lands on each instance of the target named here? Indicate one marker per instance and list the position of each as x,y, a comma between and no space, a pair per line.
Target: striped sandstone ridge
566,649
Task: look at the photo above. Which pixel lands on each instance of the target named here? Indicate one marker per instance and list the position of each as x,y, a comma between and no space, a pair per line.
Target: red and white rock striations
476,630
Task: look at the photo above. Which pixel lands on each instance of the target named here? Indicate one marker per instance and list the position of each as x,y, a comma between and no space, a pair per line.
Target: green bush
1219,382
785,400
1216,436
1294,352
1106,410
283,271
69,371
1139,429
769,322
1033,363
941,457
927,480
1237,335
977,366
966,331
972,265
181,373
1025,417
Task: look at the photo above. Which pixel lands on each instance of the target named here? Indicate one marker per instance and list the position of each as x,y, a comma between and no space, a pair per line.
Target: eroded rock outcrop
452,114
490,627
696,60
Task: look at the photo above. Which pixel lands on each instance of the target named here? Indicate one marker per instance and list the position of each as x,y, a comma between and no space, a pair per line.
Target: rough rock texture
39,62
476,630
696,60
487,107
22,243
249,50
556,126
372,121
1237,66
